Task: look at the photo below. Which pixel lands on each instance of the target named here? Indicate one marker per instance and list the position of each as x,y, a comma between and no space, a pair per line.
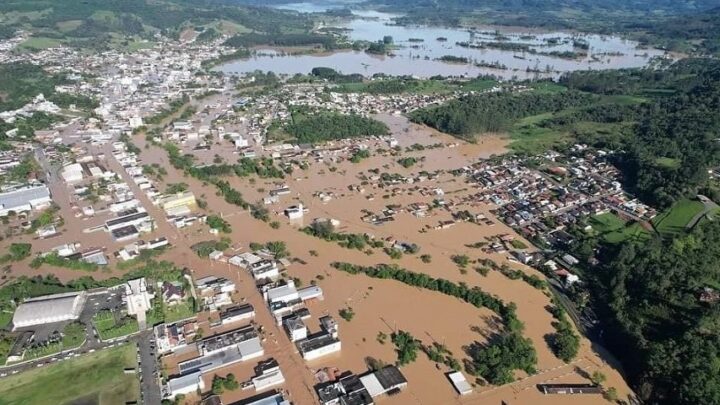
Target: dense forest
674,142
326,126
470,115
21,82
656,322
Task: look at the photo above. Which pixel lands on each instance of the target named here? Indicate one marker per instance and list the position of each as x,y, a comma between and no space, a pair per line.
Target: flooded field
380,306
385,305
500,51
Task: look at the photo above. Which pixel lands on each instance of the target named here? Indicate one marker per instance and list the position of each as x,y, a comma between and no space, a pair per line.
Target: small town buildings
384,381
268,375
570,389
351,389
185,384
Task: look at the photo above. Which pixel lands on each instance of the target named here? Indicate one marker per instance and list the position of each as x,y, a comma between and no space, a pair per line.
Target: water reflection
498,51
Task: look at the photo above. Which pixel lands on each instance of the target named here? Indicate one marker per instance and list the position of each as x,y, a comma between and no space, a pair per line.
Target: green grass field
180,311
677,217
614,229
108,328
39,43
96,379
526,136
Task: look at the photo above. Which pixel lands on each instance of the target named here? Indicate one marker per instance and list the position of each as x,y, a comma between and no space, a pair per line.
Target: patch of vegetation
215,222
406,347
326,126
111,325
347,314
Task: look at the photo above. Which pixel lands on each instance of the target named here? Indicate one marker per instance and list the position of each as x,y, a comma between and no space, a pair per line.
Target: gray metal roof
20,197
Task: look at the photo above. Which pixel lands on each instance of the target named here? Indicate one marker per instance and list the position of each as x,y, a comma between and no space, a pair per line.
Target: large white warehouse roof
49,309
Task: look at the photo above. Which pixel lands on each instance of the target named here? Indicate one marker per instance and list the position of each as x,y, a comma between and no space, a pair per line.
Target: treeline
276,39
495,361
474,295
335,76
474,114
681,76
326,126
682,128
66,100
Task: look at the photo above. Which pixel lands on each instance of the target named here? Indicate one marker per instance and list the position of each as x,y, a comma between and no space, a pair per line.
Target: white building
185,384
72,173
24,199
49,309
318,346
460,383
138,299
295,328
295,211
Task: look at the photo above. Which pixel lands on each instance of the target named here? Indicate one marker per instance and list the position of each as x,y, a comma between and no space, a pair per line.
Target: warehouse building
24,199
49,309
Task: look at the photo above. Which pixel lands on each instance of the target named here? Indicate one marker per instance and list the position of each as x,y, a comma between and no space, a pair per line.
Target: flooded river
500,51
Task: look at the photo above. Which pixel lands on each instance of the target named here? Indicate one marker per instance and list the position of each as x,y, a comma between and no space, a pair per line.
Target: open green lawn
108,328
39,43
180,311
526,136
5,317
614,229
479,85
677,217
667,162
95,378
170,313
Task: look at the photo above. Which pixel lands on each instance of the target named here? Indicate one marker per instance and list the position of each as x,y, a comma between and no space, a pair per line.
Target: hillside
95,23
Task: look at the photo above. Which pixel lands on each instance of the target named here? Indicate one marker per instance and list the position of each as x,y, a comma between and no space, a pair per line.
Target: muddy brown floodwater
383,305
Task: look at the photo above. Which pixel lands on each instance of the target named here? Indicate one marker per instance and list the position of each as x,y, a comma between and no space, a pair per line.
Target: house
172,292
295,211
236,313
318,345
295,328
387,380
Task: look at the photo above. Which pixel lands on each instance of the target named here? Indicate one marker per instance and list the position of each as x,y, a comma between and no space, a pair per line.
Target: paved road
150,392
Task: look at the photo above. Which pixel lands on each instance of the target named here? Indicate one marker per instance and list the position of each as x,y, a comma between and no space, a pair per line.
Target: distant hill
73,21
653,6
